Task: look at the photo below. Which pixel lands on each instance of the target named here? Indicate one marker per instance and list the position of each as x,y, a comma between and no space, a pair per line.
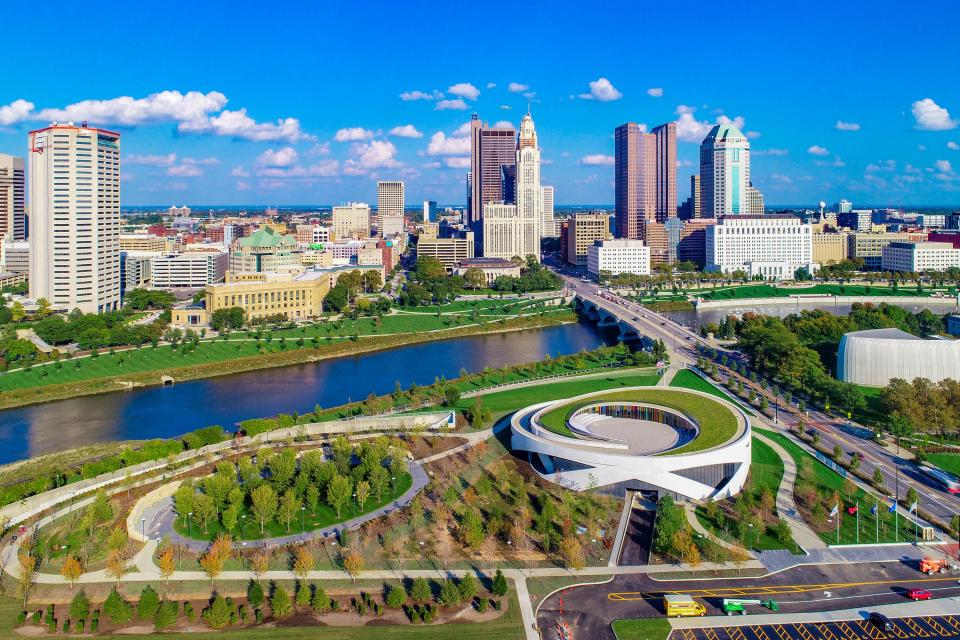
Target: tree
71,571
320,601
254,594
337,299
166,563
468,587
363,494
302,562
420,591
449,593
396,597
166,615
471,529
259,563
263,504
228,318
877,477
204,510
217,615
216,556
339,492
352,562
148,603
288,507
474,277
378,477
117,608
80,606
837,453
280,604
572,552
499,587
116,565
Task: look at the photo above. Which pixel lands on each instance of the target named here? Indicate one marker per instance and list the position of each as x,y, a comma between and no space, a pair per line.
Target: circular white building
875,356
685,443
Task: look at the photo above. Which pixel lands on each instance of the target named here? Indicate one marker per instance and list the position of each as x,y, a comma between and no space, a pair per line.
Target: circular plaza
685,443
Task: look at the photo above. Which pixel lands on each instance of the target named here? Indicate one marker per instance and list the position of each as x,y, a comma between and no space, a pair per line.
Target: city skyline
294,123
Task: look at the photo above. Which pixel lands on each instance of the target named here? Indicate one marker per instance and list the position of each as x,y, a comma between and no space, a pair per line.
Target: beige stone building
584,230
830,248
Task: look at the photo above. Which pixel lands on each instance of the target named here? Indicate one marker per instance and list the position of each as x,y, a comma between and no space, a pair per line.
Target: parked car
919,594
881,621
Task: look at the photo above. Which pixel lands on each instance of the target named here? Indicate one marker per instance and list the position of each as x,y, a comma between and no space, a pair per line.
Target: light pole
190,524
353,509
302,510
143,525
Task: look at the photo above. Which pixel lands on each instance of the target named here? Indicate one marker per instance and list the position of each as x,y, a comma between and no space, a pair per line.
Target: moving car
881,621
919,594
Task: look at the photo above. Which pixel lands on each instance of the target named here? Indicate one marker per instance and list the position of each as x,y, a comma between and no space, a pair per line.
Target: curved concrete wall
597,463
873,361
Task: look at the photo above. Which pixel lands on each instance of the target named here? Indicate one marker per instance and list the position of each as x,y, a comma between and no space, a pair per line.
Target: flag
893,506
835,510
913,507
873,510
852,510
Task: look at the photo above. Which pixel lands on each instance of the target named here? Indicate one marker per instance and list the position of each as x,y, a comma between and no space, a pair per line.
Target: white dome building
873,357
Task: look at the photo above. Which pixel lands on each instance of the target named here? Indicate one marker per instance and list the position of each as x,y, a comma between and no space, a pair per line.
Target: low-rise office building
917,257
868,246
772,246
134,269
146,242
613,257
584,229
187,270
351,220
830,248
15,256
492,268
449,251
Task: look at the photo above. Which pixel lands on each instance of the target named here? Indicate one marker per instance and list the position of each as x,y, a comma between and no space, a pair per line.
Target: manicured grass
642,629
828,482
717,423
946,461
324,517
502,402
874,411
687,379
768,291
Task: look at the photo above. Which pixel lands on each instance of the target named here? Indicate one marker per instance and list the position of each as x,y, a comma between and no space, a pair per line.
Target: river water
160,412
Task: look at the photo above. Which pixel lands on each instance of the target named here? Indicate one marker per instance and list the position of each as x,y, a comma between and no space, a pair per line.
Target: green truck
734,606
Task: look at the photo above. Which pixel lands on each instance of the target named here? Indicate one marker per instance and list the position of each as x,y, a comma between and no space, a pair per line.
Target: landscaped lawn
874,411
642,629
828,481
717,423
768,291
687,379
946,461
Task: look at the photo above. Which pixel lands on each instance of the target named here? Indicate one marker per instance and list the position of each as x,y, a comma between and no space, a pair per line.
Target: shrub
254,594
396,596
258,615
499,587
79,626
66,625
148,603
420,591
94,625
80,605
303,595
189,612
467,587
36,617
242,612
217,615
166,615
280,605
320,600
117,608
449,593
496,604
21,617
482,605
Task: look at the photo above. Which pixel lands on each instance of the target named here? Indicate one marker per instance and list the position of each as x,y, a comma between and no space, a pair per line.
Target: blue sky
292,103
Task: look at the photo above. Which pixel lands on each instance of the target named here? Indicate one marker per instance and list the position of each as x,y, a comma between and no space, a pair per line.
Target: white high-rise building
614,257
389,201
529,194
724,173
772,246
75,217
351,220
508,232
12,199
547,225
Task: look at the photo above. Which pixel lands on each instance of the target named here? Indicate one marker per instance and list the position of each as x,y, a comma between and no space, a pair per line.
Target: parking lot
933,627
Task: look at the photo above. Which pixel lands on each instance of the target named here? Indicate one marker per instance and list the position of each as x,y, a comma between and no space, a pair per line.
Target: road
590,609
682,343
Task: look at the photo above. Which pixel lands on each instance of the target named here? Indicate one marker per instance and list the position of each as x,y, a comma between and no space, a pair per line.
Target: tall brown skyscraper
645,177
491,148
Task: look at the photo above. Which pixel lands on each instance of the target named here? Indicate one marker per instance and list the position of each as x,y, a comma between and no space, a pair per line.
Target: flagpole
916,516
876,517
838,523
858,522
896,509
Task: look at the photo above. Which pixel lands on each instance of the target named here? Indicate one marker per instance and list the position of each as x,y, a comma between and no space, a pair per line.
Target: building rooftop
266,237
725,132
486,262
883,334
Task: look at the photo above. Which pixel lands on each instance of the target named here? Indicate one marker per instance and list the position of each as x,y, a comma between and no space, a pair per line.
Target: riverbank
796,299
290,356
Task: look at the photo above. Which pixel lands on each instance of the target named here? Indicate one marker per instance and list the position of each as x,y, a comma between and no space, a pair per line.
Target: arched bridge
608,314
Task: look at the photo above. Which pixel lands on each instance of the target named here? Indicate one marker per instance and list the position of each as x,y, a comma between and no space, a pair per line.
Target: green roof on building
724,132
267,237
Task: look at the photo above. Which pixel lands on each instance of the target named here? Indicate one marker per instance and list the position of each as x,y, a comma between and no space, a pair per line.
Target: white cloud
516,87
779,177
603,90
655,92
882,165
458,163
491,85
953,146
16,111
406,131
243,185
737,121
323,169
689,128
446,105
931,116
597,159
753,135
282,157
421,95
769,152
165,106
185,171
817,150
847,126
151,160
441,145
943,166
352,134
238,124
320,149
376,154
435,164
464,90
463,130
506,107
240,172
836,162
503,124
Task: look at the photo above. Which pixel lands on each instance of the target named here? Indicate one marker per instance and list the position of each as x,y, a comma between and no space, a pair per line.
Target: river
162,412
694,318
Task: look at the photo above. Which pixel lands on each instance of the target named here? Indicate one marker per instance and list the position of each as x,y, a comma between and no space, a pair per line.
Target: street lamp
143,524
353,509
302,509
189,524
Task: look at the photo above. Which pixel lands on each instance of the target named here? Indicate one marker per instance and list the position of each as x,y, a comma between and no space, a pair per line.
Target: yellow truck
678,605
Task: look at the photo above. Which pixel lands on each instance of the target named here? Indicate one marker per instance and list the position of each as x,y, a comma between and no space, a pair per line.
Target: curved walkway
802,534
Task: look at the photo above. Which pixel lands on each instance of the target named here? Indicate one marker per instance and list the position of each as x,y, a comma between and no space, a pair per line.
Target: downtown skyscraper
75,217
645,177
529,194
492,157
725,173
12,198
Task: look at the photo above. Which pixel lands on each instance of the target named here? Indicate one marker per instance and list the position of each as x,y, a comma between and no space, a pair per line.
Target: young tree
263,504
468,587
572,552
320,601
148,603
499,587
166,563
254,594
877,477
217,615
339,492
71,571
288,508
204,510
363,494
116,565
259,563
420,591
80,606
352,562
280,604
302,562
216,556
396,597
449,593
378,478
117,608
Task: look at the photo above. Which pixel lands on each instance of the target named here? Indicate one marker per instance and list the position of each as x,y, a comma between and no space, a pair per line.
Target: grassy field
829,482
769,291
642,629
500,403
717,424
687,379
248,529
946,461
766,471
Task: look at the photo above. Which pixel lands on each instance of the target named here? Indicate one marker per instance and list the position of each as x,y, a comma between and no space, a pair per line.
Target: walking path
802,534
621,529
